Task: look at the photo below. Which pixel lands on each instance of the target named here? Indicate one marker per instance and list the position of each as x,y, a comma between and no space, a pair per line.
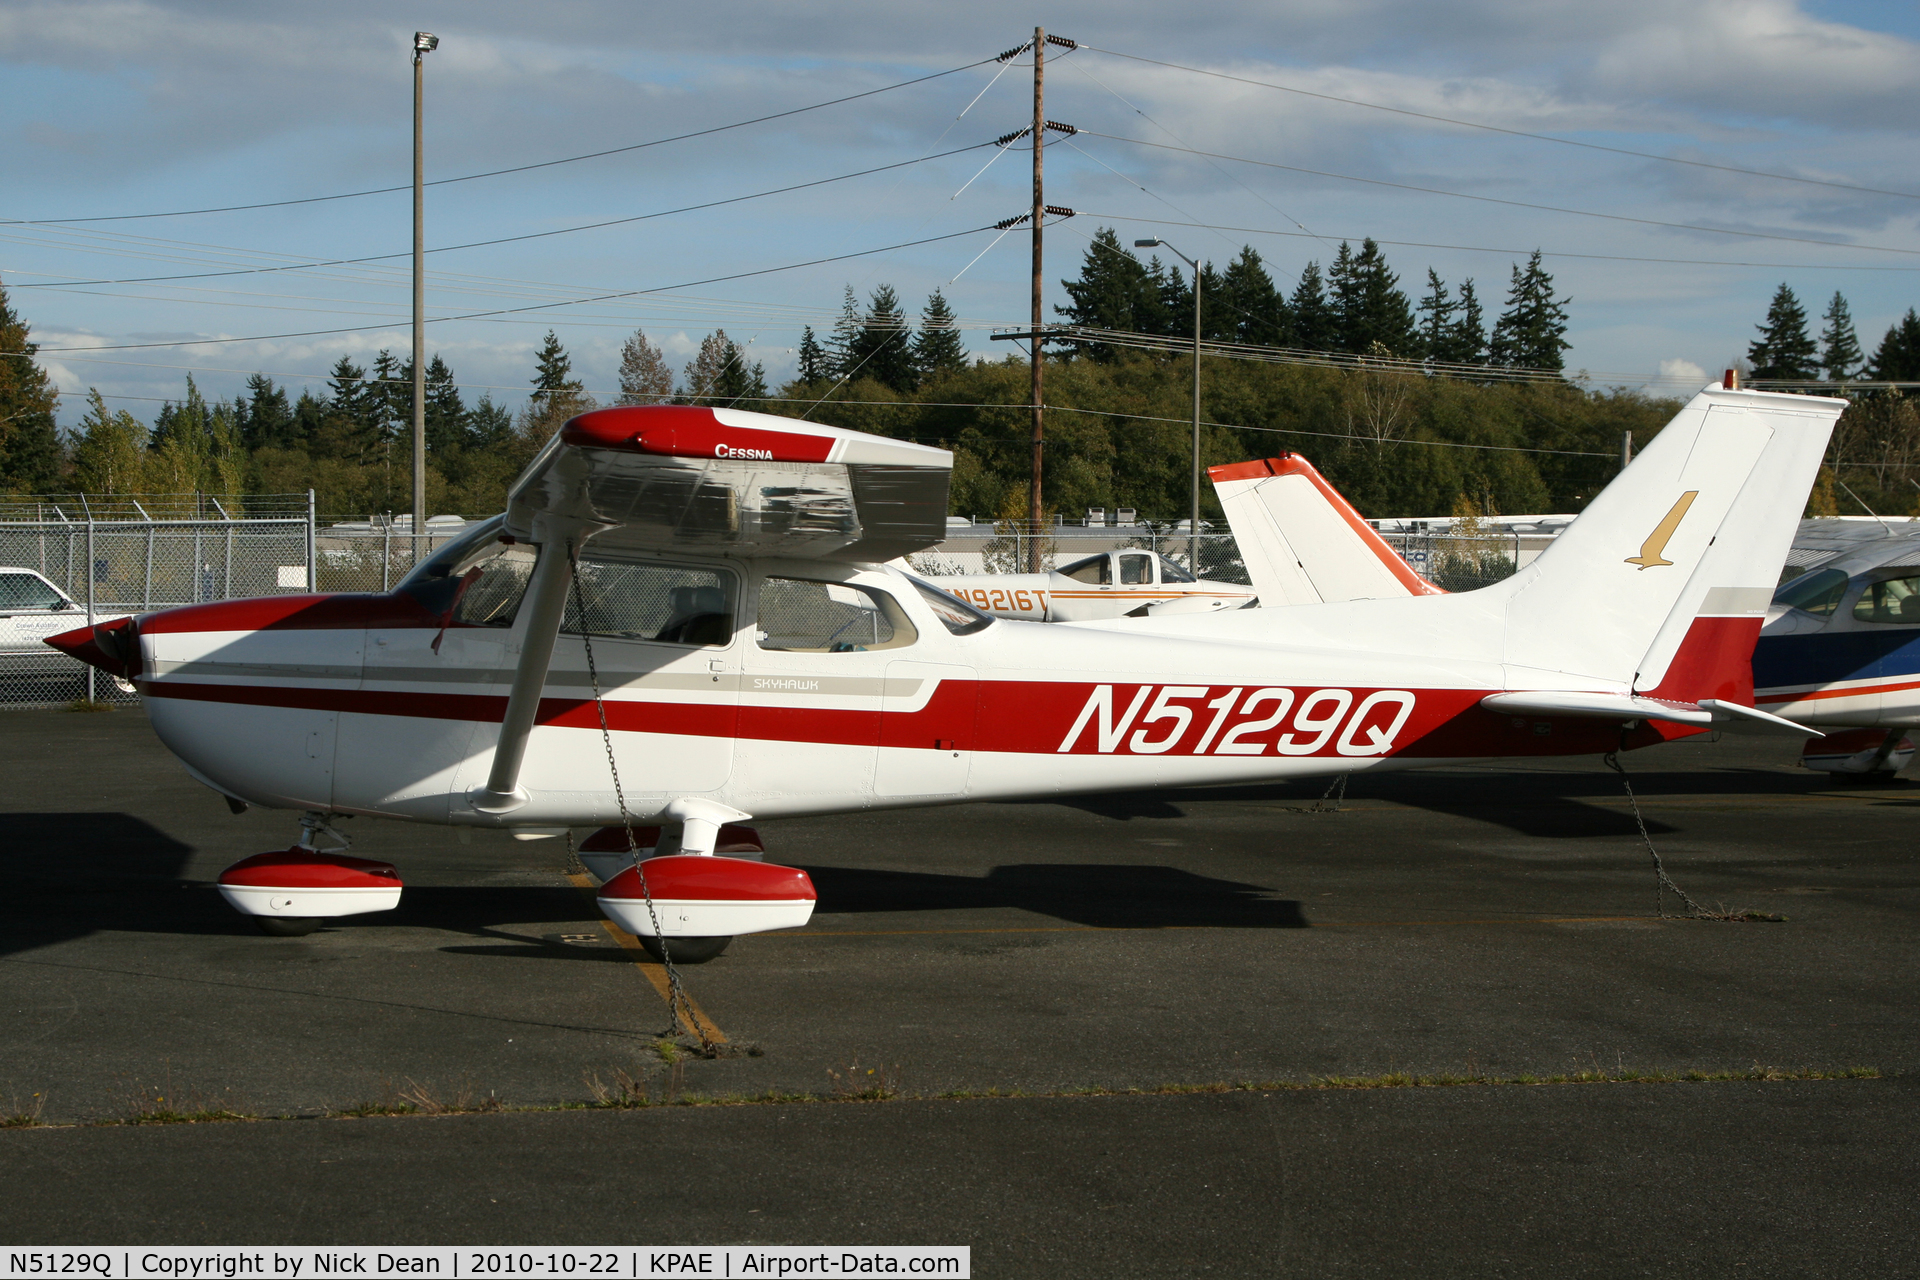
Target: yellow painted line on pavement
655,971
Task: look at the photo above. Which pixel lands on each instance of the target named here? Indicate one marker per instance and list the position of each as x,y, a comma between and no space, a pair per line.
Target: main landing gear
689,904
290,893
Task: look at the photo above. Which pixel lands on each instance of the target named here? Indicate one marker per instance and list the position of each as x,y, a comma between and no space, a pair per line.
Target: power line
1513,133
532,235
495,173
543,306
1334,435
1515,204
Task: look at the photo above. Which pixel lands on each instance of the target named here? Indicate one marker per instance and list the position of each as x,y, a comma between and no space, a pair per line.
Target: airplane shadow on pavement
1116,896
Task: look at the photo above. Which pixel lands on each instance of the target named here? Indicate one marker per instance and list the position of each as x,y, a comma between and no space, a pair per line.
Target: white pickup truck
31,609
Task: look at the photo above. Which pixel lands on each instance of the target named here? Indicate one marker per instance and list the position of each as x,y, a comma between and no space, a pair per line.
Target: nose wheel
685,950
288,926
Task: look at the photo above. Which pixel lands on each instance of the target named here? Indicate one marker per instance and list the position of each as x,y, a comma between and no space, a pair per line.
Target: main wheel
288,926
686,950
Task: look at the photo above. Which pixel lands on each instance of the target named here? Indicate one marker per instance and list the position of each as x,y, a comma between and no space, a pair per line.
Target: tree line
1117,423
1355,307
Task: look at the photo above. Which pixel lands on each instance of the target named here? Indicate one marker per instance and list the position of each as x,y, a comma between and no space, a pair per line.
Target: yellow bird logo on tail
1656,543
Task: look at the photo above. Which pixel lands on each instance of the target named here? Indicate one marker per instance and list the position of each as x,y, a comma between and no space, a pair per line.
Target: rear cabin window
802,616
1093,569
1895,600
1815,593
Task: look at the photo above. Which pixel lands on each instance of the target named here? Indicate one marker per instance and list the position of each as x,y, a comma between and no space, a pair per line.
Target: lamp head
1154,243
424,42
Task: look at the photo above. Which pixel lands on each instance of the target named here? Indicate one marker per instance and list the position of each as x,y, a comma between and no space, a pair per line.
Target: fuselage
826,688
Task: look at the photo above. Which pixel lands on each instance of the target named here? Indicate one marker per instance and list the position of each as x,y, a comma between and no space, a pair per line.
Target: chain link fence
63,563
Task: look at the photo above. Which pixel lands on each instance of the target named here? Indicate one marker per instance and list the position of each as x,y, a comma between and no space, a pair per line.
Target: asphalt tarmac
1488,922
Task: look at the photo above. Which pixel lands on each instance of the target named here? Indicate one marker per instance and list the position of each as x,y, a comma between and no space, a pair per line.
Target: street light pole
424,42
1193,527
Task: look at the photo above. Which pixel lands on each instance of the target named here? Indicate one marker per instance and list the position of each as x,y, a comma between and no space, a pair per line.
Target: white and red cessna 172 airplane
683,618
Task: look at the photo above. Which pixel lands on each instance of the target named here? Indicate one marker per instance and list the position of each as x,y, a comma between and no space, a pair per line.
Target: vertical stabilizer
1300,540
1663,580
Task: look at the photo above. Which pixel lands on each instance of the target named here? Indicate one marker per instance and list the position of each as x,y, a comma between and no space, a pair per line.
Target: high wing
687,479
728,481
1303,543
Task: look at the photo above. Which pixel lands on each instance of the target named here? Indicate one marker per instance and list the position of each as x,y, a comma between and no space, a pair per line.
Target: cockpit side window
1893,600
802,616
1136,569
1171,572
1815,593
1094,569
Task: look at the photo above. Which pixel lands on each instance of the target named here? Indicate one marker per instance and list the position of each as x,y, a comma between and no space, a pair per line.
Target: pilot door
665,657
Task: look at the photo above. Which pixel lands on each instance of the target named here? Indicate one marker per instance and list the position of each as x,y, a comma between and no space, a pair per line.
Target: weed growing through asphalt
869,1084
23,1115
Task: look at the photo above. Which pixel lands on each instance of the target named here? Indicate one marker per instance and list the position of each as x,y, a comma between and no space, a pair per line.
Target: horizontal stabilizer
1625,706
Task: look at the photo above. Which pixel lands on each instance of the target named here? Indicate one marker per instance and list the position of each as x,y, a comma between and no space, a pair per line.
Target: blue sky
141,106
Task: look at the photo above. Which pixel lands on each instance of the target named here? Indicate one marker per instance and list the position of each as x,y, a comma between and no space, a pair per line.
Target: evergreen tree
1312,314
349,392
268,422
645,376
883,350
1370,313
1898,359
29,439
553,372
1436,310
1783,349
489,425
1176,299
180,446
1468,342
1840,352
1530,332
309,418
389,400
846,334
1249,307
937,349
110,455
815,364
446,411
1115,291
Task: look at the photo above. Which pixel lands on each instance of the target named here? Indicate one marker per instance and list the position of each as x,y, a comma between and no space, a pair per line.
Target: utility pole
424,42
1035,510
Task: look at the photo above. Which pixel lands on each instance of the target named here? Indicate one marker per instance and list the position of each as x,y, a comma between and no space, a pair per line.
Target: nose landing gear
291,892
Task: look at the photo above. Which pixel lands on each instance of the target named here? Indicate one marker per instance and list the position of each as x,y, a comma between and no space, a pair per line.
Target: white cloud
1677,377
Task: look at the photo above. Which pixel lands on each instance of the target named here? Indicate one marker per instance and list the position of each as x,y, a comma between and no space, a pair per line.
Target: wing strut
545,607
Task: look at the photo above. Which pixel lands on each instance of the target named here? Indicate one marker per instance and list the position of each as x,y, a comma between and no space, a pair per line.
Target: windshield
955,614
1171,572
1815,593
435,580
